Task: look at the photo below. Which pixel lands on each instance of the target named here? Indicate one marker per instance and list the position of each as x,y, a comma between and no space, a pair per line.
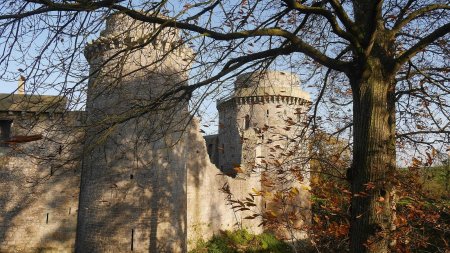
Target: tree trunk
373,158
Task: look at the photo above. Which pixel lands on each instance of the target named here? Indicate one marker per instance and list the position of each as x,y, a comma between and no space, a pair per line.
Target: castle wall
212,144
230,143
208,209
39,183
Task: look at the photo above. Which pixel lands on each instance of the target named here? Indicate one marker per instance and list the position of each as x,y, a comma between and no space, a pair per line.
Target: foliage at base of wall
242,241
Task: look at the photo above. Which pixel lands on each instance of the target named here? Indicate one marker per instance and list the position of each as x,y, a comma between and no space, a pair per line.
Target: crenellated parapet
267,78
267,99
126,62
267,87
124,34
288,100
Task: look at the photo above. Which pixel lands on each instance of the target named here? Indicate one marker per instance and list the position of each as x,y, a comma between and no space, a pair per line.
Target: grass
436,180
242,241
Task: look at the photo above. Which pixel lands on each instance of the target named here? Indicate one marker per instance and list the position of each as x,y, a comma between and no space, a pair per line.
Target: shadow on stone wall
39,186
208,210
133,188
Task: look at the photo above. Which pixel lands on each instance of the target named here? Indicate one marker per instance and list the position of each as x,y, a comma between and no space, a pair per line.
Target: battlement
267,86
122,32
267,78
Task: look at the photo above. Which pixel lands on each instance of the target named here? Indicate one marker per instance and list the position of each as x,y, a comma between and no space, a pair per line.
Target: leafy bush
242,241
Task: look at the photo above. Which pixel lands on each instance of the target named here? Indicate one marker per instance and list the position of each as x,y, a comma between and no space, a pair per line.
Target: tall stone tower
133,194
262,135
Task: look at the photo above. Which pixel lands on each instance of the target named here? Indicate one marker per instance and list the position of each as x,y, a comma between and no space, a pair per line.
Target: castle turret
262,135
266,112
133,194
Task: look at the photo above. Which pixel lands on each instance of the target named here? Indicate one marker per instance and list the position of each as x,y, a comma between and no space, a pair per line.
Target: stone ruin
133,173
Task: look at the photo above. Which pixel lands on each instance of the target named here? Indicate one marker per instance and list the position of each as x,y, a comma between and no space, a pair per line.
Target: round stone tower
133,194
262,135
267,112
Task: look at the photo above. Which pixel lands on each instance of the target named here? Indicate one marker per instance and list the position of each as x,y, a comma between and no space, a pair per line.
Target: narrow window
46,220
246,122
5,131
132,239
299,117
210,148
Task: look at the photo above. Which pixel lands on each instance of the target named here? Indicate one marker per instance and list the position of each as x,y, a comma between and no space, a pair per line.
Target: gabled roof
32,103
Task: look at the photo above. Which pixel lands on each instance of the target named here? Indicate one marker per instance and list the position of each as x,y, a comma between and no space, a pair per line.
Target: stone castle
132,173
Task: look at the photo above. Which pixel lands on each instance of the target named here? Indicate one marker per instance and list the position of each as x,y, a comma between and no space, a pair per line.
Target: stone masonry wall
208,209
39,183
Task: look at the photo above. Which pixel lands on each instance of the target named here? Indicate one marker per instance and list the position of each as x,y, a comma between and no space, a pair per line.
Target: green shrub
242,241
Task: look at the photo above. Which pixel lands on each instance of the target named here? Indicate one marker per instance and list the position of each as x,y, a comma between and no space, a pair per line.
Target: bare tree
386,61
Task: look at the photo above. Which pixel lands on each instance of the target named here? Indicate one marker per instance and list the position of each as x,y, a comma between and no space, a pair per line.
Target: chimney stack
21,88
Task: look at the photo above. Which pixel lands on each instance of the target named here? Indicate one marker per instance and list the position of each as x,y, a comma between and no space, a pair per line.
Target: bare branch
402,135
326,14
418,13
301,46
343,17
419,46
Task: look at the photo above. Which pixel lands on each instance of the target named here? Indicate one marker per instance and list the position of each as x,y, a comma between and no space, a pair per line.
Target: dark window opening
131,176
5,131
46,220
210,148
132,239
299,117
246,122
